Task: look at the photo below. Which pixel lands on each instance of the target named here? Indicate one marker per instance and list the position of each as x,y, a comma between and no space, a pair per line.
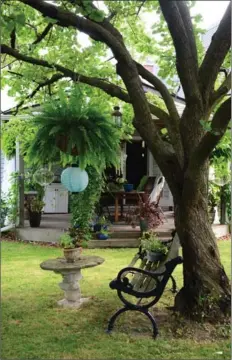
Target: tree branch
13,38
48,82
172,122
177,16
221,91
109,88
163,90
215,55
41,36
140,7
105,23
219,125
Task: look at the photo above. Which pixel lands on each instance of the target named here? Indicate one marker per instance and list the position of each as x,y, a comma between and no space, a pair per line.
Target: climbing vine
83,204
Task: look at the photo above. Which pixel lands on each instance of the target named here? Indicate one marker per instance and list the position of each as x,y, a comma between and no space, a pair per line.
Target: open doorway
136,162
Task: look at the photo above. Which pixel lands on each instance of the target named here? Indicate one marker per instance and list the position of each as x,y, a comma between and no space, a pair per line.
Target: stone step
117,243
125,234
136,234
114,243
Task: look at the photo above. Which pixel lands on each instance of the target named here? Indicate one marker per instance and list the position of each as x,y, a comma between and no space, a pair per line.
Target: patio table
71,274
123,195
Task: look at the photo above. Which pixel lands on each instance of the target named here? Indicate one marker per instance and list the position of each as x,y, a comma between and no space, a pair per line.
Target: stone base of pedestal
72,304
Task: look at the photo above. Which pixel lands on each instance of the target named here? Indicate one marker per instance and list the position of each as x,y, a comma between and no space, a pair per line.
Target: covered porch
121,235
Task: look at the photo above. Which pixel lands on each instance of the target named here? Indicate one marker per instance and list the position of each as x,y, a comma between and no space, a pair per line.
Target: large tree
32,25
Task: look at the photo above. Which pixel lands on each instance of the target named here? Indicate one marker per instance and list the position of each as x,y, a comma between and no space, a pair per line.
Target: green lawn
34,327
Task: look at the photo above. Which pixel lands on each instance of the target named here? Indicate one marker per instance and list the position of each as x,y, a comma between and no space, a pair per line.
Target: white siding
7,168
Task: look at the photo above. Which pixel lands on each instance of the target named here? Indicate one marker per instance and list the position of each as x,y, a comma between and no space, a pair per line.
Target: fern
91,132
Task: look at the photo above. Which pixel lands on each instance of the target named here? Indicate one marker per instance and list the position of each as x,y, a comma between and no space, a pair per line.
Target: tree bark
206,290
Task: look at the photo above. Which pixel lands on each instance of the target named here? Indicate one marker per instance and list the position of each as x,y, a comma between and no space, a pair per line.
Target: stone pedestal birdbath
71,273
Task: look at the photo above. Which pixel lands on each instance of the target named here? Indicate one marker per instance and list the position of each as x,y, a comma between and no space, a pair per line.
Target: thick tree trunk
206,291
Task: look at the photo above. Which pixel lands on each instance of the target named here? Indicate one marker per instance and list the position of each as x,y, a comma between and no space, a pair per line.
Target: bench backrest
139,281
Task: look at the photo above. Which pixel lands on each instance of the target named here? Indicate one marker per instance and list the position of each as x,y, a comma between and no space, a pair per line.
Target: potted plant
154,248
148,215
34,207
73,125
127,187
72,243
3,212
102,234
119,183
101,223
213,201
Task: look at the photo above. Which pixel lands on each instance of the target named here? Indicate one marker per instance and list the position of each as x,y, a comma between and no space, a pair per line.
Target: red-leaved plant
151,213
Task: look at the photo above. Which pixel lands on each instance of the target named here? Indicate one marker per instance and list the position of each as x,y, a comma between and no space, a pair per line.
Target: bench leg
124,309
174,287
113,319
154,325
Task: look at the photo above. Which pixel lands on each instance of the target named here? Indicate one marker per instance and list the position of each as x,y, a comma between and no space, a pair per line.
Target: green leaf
20,18
50,20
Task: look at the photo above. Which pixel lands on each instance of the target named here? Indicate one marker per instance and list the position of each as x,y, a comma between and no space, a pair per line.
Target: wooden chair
141,287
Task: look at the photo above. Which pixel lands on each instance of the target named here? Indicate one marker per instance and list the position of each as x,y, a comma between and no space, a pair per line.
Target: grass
34,327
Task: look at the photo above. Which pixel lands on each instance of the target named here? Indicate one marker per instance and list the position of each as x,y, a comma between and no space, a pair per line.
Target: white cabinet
56,199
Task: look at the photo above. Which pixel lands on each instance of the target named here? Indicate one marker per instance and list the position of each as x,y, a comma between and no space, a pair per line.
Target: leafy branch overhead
56,59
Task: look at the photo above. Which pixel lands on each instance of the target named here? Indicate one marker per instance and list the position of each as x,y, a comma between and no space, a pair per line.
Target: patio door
136,162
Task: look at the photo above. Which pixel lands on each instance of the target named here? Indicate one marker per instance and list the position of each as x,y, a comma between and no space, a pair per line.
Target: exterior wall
7,167
153,170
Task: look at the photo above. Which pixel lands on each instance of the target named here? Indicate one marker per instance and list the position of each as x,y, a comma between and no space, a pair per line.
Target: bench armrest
123,284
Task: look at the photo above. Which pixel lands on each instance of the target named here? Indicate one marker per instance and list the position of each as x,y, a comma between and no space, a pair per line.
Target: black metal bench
141,288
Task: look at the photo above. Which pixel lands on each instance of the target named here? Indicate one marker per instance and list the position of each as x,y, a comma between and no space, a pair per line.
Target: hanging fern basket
62,144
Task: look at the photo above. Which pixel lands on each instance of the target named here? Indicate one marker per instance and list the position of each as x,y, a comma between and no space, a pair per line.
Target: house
136,159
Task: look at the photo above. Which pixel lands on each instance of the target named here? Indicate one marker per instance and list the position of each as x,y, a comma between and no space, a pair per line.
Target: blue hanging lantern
74,179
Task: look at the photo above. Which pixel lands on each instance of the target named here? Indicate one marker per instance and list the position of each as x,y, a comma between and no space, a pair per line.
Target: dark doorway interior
136,162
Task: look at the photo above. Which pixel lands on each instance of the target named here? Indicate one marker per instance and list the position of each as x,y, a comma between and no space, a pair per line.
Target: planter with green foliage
3,212
72,242
155,249
34,207
102,234
73,126
102,223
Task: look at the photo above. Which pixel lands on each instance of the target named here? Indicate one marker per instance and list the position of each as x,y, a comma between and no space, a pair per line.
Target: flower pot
72,255
97,227
102,236
34,218
62,144
154,256
128,187
212,213
143,225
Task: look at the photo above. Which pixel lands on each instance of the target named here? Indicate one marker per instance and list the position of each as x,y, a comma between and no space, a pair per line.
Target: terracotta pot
72,255
62,144
34,218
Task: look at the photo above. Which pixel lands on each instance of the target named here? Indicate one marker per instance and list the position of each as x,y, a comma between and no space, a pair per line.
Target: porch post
20,169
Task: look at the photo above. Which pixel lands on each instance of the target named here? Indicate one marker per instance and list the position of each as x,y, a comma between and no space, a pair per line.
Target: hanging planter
62,142
75,127
74,179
